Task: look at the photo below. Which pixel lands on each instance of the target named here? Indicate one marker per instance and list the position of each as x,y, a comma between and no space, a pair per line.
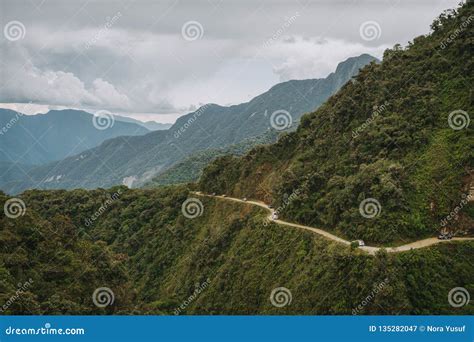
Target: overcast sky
161,59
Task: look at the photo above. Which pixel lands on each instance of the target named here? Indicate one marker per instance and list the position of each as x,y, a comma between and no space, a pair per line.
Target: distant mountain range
43,138
135,160
388,159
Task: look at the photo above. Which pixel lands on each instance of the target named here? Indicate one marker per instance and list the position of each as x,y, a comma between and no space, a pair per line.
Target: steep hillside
220,259
389,157
42,138
135,160
190,169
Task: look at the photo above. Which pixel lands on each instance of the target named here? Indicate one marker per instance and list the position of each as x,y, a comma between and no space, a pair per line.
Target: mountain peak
355,62
211,126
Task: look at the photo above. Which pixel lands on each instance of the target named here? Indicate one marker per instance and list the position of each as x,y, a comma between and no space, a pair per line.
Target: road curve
369,249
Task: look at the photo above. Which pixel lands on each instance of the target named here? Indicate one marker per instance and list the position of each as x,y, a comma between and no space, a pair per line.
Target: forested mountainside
190,169
397,137
42,138
136,160
221,259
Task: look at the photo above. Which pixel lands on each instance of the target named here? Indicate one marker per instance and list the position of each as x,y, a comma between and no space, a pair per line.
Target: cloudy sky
160,59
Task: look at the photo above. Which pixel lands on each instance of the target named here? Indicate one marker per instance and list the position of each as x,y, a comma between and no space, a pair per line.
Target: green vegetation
227,260
153,258
210,127
190,169
385,136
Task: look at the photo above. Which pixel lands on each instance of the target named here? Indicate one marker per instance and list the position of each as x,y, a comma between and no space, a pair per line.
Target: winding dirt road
371,250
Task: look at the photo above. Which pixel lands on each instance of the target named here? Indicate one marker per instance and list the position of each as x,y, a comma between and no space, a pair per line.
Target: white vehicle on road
360,243
357,243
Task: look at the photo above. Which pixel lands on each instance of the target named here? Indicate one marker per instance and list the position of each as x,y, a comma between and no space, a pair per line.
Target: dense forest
153,258
386,135
398,133
190,169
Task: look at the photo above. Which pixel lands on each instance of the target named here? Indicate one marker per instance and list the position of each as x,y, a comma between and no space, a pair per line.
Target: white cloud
108,95
142,64
295,57
26,82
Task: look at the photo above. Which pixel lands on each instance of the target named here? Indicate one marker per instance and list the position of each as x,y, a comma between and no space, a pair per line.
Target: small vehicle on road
358,243
274,216
445,236
244,199
213,194
270,206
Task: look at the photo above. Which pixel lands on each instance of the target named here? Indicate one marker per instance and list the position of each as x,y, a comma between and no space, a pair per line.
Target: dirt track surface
371,250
